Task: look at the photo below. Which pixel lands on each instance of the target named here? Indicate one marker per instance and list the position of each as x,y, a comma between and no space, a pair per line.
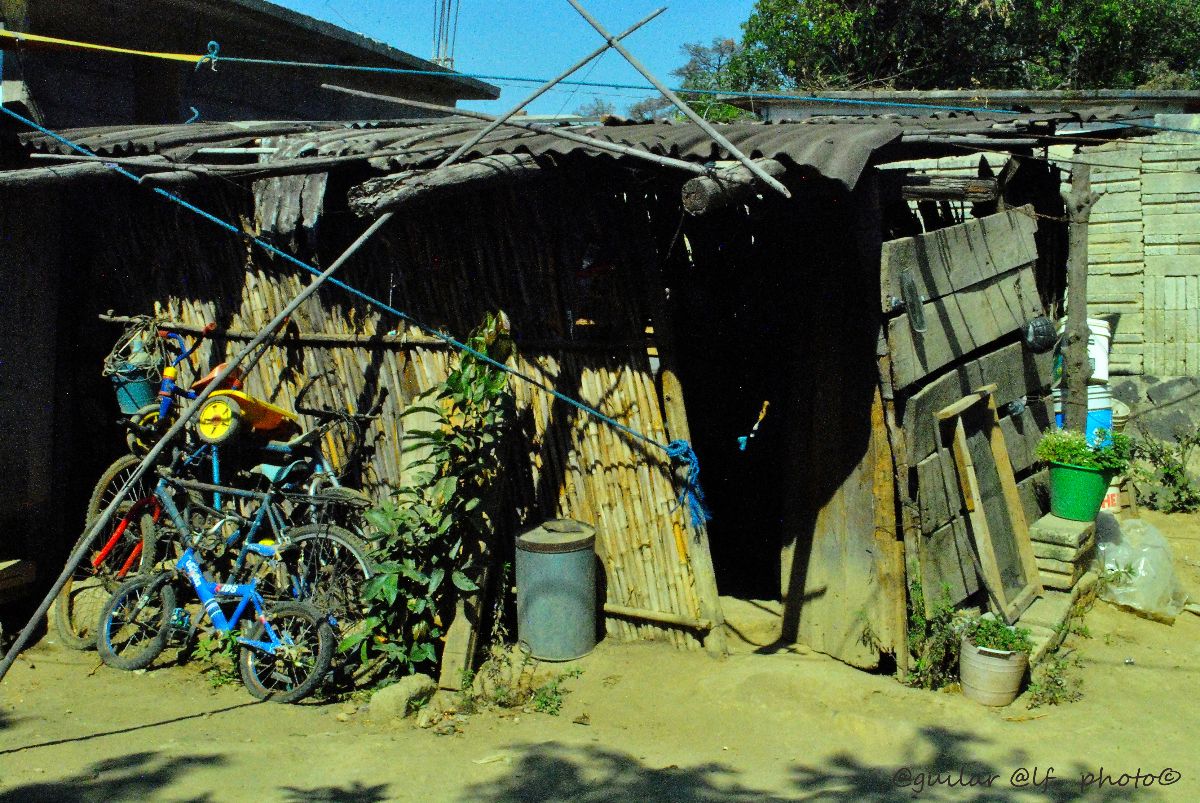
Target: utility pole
1076,369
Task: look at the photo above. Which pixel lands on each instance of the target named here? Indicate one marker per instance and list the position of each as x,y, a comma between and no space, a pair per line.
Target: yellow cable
50,40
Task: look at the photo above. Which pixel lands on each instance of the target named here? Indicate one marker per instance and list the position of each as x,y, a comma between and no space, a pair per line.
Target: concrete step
1051,529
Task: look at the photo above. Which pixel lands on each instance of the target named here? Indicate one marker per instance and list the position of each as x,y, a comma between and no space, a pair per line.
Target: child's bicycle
287,653
280,663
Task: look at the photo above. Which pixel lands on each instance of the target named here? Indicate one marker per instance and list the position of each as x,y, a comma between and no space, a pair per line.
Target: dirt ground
660,725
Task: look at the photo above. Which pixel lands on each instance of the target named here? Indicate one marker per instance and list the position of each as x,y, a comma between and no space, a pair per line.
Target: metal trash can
556,590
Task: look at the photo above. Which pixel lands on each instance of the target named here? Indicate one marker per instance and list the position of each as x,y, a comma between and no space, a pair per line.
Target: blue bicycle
283,657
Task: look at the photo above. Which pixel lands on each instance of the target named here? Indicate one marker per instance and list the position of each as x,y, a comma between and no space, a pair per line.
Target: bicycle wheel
295,669
113,479
121,550
136,622
326,567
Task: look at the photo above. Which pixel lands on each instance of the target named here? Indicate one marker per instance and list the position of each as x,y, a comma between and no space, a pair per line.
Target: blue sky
540,38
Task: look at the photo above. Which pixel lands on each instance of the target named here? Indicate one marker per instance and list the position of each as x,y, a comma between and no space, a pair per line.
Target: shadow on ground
137,776
940,767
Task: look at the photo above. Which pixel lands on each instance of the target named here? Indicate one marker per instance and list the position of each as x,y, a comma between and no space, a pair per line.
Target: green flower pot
1076,493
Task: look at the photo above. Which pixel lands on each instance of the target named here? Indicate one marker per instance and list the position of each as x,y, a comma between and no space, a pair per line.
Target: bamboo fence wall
568,268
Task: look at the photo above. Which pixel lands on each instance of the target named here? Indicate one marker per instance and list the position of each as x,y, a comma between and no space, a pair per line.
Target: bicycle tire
135,624
293,675
77,606
327,566
111,481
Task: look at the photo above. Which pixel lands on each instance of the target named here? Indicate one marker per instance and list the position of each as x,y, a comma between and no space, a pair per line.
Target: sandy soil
662,725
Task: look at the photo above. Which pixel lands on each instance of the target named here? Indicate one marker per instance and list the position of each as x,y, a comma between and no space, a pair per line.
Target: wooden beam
725,186
949,188
380,195
1079,209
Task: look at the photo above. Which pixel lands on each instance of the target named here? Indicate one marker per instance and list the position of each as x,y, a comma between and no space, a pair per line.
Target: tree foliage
946,44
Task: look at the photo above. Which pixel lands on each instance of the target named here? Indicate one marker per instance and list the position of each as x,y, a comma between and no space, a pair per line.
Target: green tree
947,44
596,107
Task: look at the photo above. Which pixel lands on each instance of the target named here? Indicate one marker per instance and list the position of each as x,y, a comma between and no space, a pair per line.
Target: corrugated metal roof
836,147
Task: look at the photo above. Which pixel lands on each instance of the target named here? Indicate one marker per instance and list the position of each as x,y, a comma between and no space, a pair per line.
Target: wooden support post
1075,362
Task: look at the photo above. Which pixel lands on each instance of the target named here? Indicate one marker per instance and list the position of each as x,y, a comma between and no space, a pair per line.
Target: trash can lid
558,535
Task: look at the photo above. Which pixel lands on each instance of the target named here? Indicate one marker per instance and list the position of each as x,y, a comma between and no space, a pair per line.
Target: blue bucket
1099,415
135,388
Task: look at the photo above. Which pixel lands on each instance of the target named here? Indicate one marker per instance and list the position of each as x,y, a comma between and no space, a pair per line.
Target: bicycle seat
234,380
281,473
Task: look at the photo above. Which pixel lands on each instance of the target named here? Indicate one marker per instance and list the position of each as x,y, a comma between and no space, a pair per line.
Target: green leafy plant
1071,448
429,534
1055,681
217,655
548,699
933,639
1163,480
992,634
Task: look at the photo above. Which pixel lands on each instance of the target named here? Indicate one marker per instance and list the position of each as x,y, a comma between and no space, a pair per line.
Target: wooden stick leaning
687,110
537,93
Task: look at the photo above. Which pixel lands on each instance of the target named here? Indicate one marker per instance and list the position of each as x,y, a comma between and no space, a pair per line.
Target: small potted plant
993,660
1080,473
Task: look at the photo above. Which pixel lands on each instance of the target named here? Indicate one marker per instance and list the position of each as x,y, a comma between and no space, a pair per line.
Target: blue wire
679,451
214,55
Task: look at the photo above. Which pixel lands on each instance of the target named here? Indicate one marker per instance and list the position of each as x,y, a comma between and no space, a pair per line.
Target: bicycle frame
211,595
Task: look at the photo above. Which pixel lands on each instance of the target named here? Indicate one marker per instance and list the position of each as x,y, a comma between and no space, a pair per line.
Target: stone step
1041,549
1051,529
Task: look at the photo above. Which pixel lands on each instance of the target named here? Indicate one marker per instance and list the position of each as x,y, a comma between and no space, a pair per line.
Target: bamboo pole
687,110
541,90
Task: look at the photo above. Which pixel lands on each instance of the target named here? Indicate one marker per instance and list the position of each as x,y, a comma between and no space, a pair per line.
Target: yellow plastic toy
228,412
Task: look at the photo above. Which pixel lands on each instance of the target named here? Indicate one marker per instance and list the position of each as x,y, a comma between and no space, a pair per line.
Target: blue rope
678,450
691,493
195,116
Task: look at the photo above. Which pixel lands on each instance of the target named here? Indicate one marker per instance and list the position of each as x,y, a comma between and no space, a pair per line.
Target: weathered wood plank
938,497
1014,370
952,259
959,324
1034,491
946,563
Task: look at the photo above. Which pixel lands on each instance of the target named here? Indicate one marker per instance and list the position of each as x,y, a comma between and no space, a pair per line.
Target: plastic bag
1137,570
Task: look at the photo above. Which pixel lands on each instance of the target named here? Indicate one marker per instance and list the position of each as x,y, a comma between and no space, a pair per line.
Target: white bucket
1099,336
1100,410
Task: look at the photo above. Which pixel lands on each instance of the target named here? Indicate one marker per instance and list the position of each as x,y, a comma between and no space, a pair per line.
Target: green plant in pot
992,661
1080,472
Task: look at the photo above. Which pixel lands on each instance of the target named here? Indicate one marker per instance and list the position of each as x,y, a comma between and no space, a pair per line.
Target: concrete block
1058,566
1060,580
1051,529
1057,552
